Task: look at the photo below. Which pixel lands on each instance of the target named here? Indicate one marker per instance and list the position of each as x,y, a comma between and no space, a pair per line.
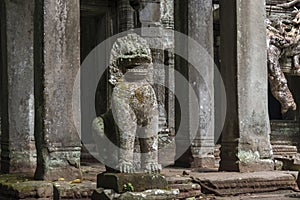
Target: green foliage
128,187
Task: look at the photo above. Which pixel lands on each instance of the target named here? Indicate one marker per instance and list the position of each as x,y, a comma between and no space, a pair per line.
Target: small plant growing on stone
128,187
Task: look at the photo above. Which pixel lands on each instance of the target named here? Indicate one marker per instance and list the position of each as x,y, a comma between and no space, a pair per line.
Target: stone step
19,187
285,147
187,190
67,190
282,142
190,194
232,183
275,2
137,182
285,138
154,194
187,187
284,151
284,156
221,183
284,125
178,180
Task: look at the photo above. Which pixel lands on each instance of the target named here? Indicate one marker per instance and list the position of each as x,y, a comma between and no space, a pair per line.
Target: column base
200,162
18,162
229,165
204,162
185,159
62,163
257,165
249,166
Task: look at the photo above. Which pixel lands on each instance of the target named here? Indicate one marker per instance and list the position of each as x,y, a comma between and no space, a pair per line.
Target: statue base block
136,182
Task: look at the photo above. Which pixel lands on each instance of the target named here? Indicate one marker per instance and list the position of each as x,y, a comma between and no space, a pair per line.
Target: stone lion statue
134,108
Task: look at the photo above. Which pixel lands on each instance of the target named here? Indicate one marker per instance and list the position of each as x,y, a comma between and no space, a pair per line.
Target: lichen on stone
248,156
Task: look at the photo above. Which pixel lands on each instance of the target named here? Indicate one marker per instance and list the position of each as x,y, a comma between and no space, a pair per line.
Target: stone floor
278,195
192,184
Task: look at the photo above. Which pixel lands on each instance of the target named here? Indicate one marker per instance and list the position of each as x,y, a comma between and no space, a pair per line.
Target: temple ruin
46,46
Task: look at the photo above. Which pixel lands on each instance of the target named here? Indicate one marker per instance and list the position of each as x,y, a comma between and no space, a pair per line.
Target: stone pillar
194,18
57,61
150,16
182,117
167,20
201,30
3,73
167,15
126,18
17,139
245,140
148,13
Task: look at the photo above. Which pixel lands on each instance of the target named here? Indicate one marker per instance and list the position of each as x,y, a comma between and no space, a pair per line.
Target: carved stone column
194,18
3,72
245,140
57,61
167,21
126,18
17,100
167,15
150,16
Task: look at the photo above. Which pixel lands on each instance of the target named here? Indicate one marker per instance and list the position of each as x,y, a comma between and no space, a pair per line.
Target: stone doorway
98,21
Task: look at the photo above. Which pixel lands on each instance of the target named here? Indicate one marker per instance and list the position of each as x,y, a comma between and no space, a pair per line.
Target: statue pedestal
139,181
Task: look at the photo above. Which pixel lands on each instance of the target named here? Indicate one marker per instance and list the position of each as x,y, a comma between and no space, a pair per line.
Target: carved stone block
139,181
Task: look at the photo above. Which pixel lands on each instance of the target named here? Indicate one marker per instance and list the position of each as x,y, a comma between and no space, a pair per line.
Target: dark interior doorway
274,107
98,21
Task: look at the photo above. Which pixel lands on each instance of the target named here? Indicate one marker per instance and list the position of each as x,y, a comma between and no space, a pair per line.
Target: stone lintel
139,181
